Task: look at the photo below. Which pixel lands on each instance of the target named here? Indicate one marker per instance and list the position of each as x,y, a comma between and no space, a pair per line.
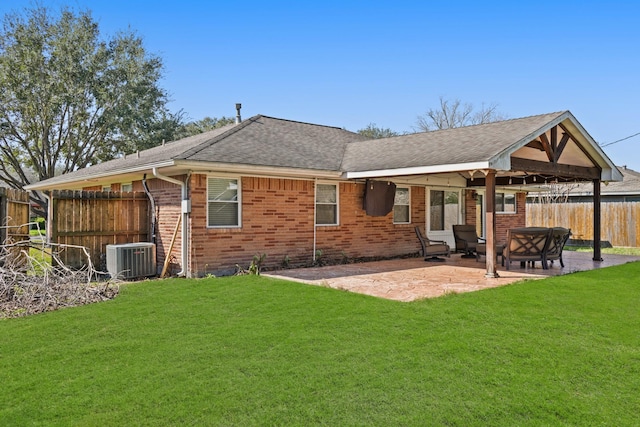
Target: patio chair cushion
466,238
432,248
527,244
557,240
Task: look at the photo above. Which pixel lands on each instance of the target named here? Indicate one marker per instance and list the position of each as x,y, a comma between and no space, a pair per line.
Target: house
295,191
626,190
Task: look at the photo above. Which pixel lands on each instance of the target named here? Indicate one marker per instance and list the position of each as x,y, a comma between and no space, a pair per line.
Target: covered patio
411,279
515,155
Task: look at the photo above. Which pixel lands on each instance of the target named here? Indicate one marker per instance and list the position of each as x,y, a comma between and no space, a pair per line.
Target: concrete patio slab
412,279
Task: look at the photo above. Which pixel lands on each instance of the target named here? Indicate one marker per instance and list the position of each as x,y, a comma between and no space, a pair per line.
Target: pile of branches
34,280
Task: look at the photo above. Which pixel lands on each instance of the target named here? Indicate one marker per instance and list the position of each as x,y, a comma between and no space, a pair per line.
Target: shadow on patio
413,278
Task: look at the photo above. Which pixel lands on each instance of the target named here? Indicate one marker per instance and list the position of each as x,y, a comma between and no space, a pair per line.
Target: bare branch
34,280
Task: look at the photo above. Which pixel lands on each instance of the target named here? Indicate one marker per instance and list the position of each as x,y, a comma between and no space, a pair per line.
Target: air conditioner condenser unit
131,260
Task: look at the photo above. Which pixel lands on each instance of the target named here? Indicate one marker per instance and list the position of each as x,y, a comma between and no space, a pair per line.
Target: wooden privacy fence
95,219
14,215
619,220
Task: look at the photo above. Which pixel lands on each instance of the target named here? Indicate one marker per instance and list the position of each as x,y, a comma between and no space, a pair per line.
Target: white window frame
238,202
337,204
408,188
515,203
124,184
106,187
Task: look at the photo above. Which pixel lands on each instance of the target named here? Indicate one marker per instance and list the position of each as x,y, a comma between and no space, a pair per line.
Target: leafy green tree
69,99
454,114
203,125
374,132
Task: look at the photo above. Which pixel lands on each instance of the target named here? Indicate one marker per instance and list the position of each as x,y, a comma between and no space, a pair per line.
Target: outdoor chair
527,244
558,239
466,239
432,248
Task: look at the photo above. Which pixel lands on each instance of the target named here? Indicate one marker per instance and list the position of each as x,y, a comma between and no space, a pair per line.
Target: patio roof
553,145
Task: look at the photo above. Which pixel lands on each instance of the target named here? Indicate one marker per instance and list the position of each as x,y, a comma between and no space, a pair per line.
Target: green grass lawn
250,350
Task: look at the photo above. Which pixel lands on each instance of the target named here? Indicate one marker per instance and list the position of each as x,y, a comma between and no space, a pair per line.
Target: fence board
620,225
14,215
95,219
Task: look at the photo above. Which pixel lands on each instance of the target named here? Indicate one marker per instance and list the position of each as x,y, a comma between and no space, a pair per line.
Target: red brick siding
504,221
470,207
359,235
507,221
167,197
278,220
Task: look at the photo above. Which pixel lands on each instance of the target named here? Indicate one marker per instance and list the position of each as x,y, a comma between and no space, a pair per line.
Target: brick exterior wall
167,197
504,221
507,221
278,220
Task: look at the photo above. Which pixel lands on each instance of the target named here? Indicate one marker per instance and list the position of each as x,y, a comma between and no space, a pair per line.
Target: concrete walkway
413,278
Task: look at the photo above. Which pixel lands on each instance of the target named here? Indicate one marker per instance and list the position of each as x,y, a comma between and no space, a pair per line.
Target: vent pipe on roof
238,118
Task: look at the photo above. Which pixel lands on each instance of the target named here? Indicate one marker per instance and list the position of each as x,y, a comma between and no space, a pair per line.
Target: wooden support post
490,186
597,229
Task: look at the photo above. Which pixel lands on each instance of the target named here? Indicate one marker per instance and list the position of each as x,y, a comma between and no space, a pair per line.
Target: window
223,202
126,187
505,203
443,210
106,187
402,206
326,204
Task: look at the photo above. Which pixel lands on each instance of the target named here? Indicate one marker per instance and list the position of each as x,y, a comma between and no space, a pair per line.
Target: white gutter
185,209
61,180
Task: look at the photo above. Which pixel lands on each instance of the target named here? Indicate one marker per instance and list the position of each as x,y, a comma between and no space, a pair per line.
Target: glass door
443,213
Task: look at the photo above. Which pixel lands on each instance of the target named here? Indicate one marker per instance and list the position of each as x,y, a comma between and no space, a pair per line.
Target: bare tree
455,114
555,192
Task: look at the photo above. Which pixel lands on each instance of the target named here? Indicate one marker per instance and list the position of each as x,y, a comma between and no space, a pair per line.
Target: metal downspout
185,216
315,226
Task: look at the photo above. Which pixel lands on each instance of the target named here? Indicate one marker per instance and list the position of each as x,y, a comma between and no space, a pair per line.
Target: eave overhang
178,167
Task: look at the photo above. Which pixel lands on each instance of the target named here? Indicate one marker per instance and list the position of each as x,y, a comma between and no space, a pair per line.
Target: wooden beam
554,138
561,146
597,254
547,146
490,194
554,169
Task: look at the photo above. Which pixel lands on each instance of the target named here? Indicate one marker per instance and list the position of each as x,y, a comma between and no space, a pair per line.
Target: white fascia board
98,176
269,171
611,175
419,170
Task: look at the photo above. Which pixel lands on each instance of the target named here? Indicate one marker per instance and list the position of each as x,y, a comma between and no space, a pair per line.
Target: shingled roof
469,144
630,185
258,141
277,146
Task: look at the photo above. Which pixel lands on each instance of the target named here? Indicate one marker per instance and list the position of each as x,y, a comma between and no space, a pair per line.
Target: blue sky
351,63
